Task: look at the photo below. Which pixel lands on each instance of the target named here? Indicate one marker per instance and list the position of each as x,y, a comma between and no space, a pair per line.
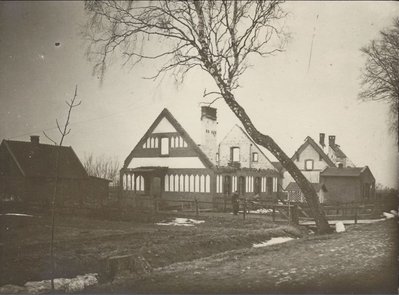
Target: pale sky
284,97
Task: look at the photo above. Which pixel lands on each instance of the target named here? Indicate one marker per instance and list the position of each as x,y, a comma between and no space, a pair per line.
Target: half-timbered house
168,164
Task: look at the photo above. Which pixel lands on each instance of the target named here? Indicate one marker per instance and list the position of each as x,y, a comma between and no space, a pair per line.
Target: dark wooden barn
346,185
28,173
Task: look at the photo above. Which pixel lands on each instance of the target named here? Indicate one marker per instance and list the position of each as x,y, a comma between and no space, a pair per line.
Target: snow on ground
388,215
79,283
182,222
261,211
339,227
273,241
16,214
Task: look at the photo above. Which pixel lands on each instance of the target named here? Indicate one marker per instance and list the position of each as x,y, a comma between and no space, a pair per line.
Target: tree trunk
267,142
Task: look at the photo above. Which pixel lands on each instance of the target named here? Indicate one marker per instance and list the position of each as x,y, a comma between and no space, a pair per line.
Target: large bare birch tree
218,37
380,76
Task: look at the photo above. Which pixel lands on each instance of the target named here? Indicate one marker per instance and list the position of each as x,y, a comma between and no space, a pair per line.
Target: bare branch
48,137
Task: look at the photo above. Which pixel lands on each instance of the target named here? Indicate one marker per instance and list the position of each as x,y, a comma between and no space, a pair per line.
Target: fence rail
292,212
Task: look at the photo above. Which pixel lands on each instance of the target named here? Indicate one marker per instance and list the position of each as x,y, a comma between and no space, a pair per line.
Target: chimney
331,140
321,140
34,139
208,132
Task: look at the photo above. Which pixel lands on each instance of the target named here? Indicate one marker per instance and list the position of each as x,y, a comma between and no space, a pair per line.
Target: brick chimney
331,140
209,132
35,139
321,140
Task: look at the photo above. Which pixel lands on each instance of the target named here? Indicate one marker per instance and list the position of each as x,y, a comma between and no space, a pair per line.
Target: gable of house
249,154
310,150
167,144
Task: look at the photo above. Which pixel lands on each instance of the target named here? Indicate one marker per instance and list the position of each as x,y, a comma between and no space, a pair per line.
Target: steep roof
311,142
166,114
347,171
39,160
338,152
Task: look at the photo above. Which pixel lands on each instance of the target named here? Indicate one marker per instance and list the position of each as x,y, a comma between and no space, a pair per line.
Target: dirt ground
361,260
82,244
212,257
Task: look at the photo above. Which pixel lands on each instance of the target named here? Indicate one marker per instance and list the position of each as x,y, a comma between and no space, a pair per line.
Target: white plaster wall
309,153
236,137
164,126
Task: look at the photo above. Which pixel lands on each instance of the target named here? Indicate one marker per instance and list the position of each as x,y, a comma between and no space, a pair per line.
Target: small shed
348,184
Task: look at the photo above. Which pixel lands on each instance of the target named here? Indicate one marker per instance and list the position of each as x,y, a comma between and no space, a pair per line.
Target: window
181,183
166,183
254,157
207,184
165,146
308,164
176,183
274,184
196,183
172,183
186,183
235,154
217,157
202,183
191,183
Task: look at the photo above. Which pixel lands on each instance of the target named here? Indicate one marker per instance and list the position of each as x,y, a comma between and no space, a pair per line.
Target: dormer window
165,146
309,164
235,154
255,157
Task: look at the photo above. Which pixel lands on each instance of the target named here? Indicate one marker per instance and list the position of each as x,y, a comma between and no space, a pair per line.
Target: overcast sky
286,97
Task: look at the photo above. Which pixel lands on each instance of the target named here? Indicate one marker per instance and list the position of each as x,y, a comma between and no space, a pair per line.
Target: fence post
295,217
274,213
156,204
356,215
245,208
196,207
224,203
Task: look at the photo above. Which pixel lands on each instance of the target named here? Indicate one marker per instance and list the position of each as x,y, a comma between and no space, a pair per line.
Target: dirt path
361,260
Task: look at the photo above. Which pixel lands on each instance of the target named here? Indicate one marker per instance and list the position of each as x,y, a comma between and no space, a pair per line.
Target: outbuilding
348,184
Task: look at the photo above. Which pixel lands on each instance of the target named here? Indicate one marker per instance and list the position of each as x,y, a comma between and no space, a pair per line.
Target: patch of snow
60,284
339,227
394,212
17,214
182,222
261,211
388,215
273,241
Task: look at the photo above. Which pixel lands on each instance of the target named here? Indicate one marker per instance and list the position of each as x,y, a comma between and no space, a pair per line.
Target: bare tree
104,167
64,131
380,77
218,37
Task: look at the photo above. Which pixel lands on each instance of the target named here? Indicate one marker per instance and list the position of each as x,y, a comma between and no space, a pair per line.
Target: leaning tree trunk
261,139
267,142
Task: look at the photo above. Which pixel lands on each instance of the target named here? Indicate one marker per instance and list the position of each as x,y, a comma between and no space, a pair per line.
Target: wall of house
309,153
236,138
342,189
